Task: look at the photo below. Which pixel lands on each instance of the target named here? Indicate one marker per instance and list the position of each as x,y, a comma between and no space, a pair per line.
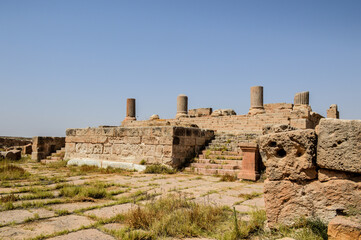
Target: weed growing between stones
159,169
85,169
248,196
10,171
83,192
228,178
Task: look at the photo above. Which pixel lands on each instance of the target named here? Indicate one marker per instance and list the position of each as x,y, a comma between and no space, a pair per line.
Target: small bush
95,192
159,169
228,178
143,162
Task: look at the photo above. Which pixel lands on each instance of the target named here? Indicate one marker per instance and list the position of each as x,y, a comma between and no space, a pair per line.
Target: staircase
222,156
56,156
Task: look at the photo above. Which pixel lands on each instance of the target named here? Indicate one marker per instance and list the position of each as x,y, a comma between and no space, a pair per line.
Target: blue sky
70,64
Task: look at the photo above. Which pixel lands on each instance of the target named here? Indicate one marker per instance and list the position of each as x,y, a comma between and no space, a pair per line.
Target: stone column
332,112
302,98
256,100
182,106
130,110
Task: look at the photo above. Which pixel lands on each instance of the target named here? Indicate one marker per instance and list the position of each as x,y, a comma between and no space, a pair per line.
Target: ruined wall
301,184
160,144
280,113
44,146
6,142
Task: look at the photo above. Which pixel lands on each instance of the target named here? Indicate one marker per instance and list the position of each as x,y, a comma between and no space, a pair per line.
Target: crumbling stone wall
301,184
6,142
44,146
280,113
156,144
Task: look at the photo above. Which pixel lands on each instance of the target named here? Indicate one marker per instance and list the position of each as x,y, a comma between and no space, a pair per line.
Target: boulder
339,145
289,155
154,117
345,228
286,201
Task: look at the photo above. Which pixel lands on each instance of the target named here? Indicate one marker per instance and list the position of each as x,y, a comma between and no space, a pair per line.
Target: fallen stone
345,228
289,155
84,235
277,128
339,145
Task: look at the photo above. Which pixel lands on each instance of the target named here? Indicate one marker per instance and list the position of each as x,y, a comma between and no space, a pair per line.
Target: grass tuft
159,169
228,178
12,172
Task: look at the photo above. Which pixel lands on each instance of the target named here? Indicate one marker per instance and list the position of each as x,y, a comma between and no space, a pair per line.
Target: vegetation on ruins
159,169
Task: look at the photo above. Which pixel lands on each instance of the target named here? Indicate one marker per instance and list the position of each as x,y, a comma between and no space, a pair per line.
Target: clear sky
73,63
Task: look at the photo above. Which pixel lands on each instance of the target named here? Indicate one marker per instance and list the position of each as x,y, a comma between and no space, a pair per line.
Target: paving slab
113,226
111,211
44,227
19,216
71,207
87,234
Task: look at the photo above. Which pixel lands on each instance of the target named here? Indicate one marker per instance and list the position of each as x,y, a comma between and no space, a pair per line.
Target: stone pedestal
130,110
182,106
249,163
302,98
332,112
256,100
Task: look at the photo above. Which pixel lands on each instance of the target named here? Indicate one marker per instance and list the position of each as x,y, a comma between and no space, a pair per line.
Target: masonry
154,145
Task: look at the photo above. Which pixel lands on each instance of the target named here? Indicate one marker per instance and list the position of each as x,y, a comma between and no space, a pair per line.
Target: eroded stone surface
289,155
339,145
286,200
345,228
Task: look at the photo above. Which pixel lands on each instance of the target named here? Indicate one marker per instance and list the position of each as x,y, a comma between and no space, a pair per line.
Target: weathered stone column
130,110
332,112
302,98
182,106
256,100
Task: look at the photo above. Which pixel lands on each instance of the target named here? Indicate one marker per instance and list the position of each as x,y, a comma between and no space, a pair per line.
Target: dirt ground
34,208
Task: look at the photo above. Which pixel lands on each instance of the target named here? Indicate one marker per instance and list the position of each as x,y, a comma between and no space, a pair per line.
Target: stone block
345,228
287,200
339,145
289,155
325,175
272,128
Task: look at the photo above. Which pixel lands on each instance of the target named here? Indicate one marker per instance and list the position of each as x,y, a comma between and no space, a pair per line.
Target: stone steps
215,166
206,171
56,156
228,153
221,162
220,157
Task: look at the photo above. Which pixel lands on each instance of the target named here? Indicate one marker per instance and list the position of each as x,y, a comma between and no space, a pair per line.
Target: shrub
12,172
160,169
228,178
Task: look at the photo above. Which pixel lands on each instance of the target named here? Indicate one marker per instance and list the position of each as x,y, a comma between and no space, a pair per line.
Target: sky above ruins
70,64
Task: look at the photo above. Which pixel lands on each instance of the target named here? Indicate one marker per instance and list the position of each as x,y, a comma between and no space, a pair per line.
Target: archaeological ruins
312,164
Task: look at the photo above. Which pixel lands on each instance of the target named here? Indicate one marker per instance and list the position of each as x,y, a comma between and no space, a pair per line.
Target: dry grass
159,169
228,178
12,172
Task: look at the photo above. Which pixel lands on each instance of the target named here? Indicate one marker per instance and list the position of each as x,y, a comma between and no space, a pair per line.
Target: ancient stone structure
182,106
302,98
293,187
6,142
256,100
130,110
163,144
200,112
332,112
44,146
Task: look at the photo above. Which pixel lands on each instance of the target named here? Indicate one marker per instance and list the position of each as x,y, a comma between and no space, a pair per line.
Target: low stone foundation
169,145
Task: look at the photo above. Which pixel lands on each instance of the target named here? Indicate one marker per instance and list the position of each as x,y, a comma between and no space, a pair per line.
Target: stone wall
156,144
312,175
44,146
6,142
279,113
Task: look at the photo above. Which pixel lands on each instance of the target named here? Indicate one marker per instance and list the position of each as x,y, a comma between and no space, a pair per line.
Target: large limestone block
286,201
339,145
289,155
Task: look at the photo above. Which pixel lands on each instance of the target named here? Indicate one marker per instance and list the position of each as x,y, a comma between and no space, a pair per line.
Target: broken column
130,109
256,100
332,112
302,98
182,106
